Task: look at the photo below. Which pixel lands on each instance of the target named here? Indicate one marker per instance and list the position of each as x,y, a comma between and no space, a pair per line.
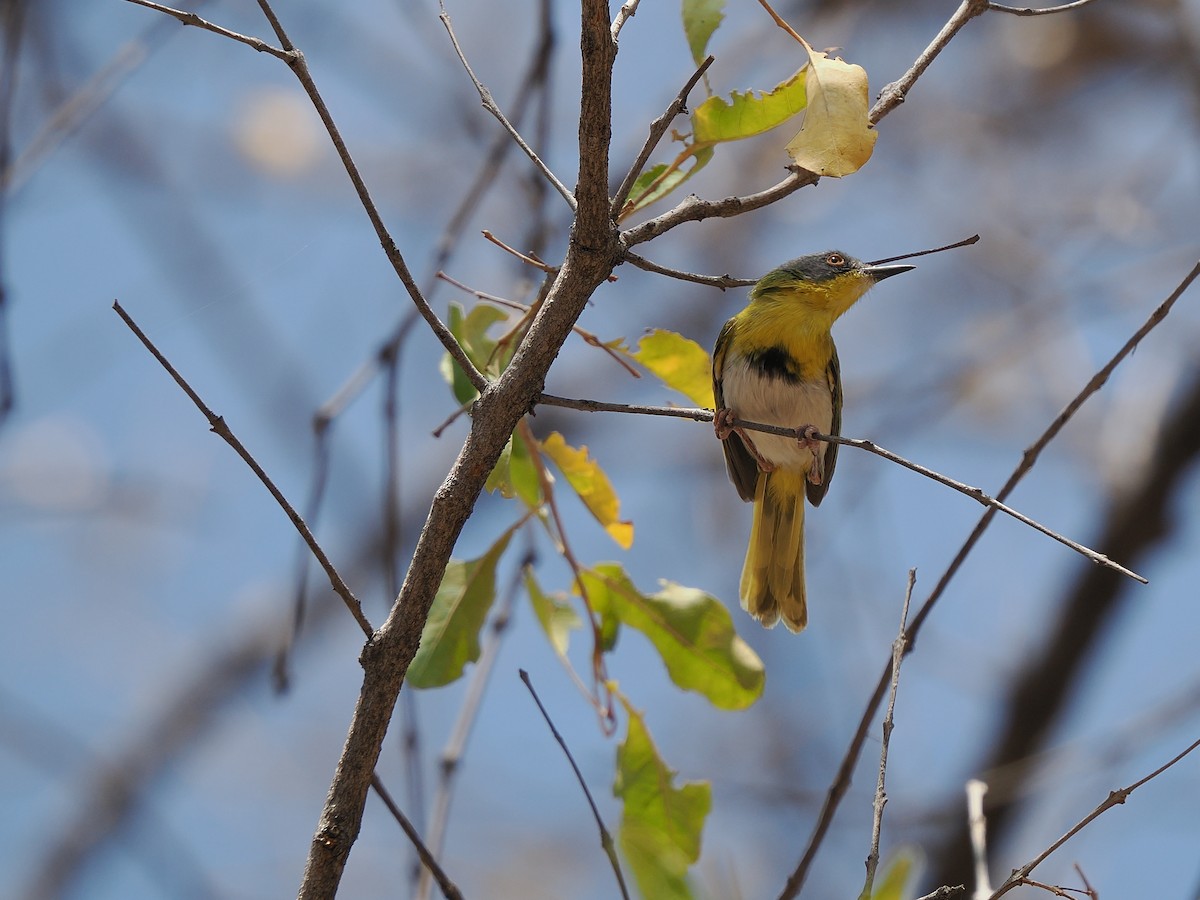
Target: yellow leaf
681,363
836,138
592,485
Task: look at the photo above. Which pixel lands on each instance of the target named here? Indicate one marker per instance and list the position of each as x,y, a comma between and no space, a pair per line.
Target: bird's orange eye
836,260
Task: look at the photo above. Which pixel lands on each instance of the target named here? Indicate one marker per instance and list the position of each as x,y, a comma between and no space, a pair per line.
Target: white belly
777,401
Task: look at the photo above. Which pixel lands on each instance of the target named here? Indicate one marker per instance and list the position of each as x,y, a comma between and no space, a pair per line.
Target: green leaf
900,871
591,484
557,619
746,114
515,474
450,638
700,19
660,180
661,825
692,632
524,472
470,330
680,363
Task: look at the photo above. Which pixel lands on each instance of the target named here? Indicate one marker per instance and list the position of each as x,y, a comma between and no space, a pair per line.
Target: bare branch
693,209
893,94
485,97
723,282
888,723
1115,798
976,494
1028,11
606,840
658,128
449,889
190,18
218,425
627,11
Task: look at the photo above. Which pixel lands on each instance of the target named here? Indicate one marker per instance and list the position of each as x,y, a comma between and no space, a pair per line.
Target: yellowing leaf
450,638
836,137
681,363
700,19
692,632
661,824
746,114
592,485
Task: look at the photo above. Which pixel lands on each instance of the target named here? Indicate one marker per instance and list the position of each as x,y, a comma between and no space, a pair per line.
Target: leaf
661,825
591,484
743,115
680,363
470,331
660,180
898,873
450,638
836,137
700,19
515,473
692,631
746,114
557,619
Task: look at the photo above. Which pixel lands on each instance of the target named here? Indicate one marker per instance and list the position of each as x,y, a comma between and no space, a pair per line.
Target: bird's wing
742,468
833,376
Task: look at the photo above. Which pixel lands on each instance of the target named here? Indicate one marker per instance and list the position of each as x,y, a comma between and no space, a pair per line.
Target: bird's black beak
878,273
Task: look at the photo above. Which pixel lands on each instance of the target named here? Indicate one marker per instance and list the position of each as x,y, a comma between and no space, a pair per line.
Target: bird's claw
806,437
723,421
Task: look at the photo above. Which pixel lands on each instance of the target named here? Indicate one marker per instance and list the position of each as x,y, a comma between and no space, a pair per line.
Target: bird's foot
806,437
723,424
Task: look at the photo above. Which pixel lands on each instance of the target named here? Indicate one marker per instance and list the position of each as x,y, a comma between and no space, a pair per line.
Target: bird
775,363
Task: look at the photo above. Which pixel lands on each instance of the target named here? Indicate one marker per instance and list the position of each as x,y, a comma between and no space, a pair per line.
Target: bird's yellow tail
773,577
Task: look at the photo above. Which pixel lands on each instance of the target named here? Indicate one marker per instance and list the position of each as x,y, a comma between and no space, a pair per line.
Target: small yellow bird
775,364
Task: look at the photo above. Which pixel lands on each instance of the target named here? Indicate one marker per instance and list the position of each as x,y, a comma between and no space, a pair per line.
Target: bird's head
827,283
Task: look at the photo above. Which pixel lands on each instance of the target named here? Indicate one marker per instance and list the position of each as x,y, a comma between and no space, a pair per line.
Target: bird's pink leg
806,437
723,425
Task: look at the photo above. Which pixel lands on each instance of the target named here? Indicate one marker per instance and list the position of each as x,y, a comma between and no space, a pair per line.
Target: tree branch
976,494
219,426
489,103
591,255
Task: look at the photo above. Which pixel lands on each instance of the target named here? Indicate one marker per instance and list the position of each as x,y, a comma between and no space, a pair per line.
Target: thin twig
449,889
190,18
485,97
299,66
893,94
693,209
705,415
1027,11
606,841
888,724
218,425
1115,798
841,781
945,893
468,714
658,128
723,282
627,11
588,337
